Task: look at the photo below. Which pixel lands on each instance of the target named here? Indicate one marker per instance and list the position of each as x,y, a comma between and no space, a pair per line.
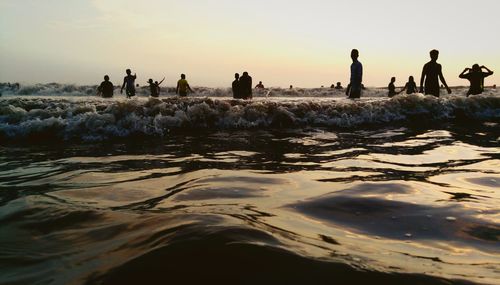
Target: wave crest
100,119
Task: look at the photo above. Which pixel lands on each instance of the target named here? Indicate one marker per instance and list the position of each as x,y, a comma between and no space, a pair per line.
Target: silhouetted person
106,88
183,86
246,86
432,73
236,87
332,86
158,86
128,84
291,86
355,84
392,88
476,78
410,86
494,86
260,85
154,87
339,86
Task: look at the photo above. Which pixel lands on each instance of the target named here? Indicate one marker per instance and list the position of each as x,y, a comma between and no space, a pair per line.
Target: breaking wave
95,119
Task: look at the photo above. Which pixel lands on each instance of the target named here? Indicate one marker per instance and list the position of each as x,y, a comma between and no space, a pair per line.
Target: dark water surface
393,205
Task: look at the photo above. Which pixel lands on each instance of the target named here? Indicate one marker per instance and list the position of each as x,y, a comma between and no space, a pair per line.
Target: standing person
392,88
155,87
129,82
246,86
355,85
410,86
236,87
432,72
476,78
106,88
183,86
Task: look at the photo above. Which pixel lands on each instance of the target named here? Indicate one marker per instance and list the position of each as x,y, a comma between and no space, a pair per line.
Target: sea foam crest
100,119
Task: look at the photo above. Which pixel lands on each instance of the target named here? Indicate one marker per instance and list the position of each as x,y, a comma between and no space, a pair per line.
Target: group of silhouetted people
106,88
432,73
242,86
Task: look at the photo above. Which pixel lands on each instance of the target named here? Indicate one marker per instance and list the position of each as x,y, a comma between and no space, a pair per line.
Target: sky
282,43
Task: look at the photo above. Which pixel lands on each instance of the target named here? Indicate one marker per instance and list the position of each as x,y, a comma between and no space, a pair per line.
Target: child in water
155,87
410,87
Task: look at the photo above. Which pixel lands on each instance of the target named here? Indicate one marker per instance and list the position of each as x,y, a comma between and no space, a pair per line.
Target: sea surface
303,188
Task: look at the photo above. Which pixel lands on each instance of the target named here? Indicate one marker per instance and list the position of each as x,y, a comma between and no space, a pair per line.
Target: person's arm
123,85
422,77
348,89
404,88
161,81
189,88
99,90
462,75
487,69
360,74
177,88
441,77
250,88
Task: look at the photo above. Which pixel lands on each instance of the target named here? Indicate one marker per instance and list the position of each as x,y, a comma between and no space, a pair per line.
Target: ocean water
295,187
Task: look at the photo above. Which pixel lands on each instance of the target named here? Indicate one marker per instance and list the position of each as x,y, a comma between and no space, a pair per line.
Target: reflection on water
393,206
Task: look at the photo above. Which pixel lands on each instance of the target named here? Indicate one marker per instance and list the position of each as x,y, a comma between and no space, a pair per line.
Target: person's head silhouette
393,79
411,79
183,76
245,73
434,54
150,80
106,78
354,54
128,71
476,68
236,76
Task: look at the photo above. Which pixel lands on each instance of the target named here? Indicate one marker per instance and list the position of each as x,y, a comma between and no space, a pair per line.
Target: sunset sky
304,43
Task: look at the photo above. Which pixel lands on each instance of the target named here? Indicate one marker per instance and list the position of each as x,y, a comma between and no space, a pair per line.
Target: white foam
91,118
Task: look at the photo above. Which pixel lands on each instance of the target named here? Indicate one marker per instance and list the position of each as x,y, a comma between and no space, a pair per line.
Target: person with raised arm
476,77
155,87
432,72
129,84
